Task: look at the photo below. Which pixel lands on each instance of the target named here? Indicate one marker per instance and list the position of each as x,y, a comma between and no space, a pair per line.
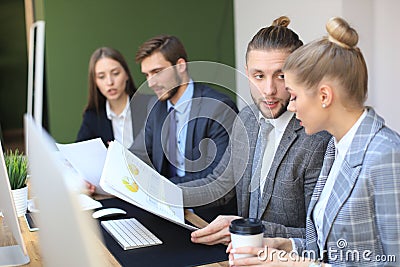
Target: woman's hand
90,188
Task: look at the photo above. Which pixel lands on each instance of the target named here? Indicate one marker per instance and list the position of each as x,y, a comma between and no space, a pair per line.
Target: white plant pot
20,200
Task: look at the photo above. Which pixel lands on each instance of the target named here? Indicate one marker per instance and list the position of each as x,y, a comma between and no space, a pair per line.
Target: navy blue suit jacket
210,122
208,107
96,125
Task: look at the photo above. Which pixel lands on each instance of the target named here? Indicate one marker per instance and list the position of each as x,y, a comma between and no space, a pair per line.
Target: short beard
270,114
170,93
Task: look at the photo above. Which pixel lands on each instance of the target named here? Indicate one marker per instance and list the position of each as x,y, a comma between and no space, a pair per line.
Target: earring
323,105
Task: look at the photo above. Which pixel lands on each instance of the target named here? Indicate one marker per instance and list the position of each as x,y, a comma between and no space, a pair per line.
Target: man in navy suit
192,145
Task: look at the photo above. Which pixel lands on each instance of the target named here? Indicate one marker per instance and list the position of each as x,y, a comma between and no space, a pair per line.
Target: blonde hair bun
281,21
341,33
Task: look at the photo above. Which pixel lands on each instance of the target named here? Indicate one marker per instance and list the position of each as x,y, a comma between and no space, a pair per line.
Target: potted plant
17,169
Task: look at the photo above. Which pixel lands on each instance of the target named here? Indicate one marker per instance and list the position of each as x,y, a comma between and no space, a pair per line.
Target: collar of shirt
183,103
274,140
111,114
280,123
343,145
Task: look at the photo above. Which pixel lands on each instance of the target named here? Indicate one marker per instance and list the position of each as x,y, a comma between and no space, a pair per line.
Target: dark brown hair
96,99
170,47
277,37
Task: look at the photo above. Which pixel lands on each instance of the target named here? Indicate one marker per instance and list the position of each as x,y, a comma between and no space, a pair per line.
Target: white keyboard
130,233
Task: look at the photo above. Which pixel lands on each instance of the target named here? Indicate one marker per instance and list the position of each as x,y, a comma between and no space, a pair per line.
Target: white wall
375,21
385,86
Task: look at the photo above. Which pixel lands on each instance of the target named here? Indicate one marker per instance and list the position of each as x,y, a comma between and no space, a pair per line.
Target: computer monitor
68,236
13,254
36,70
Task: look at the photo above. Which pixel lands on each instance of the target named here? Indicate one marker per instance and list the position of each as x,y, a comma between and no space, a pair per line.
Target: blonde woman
354,215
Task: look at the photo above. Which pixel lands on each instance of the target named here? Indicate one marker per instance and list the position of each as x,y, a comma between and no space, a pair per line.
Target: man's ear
181,65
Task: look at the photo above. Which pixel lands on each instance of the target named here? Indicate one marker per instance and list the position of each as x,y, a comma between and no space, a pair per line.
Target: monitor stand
14,253
12,256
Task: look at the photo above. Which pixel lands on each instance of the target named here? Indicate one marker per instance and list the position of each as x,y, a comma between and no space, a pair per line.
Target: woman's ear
325,95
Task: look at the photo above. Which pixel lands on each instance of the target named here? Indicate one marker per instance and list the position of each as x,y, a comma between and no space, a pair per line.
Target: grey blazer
289,184
363,210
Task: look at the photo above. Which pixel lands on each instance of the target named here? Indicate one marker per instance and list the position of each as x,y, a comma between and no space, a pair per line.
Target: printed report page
127,177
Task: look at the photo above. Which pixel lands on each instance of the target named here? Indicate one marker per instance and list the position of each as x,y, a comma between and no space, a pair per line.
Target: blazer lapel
341,191
329,158
160,144
108,130
251,134
289,136
194,114
350,169
311,233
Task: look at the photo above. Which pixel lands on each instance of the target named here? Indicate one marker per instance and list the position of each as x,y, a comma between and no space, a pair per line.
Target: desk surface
32,242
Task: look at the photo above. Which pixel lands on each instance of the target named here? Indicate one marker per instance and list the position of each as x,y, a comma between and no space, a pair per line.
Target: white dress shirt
121,124
274,138
341,149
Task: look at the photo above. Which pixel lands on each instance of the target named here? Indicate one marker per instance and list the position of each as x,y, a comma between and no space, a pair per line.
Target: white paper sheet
88,203
87,157
127,177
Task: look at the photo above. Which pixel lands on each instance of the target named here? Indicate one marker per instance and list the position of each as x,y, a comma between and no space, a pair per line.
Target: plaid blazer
289,183
362,218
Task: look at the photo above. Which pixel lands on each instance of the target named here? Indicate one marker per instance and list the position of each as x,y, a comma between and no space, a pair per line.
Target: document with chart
127,177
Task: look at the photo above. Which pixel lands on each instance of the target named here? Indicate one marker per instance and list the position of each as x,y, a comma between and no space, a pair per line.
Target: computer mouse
108,212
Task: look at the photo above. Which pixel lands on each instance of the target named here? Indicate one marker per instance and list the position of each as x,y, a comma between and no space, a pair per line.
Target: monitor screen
68,235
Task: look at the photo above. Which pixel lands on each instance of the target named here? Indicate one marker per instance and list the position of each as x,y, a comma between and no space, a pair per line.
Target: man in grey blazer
281,200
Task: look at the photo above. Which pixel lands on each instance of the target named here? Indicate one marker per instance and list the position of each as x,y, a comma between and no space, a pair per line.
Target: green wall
74,29
13,64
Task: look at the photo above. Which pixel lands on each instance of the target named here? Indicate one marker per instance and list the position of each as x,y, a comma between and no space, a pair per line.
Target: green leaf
17,168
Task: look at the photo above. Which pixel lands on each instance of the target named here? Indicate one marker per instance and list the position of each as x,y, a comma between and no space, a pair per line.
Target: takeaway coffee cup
246,233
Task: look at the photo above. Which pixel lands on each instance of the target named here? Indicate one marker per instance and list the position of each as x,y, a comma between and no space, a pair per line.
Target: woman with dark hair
109,114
